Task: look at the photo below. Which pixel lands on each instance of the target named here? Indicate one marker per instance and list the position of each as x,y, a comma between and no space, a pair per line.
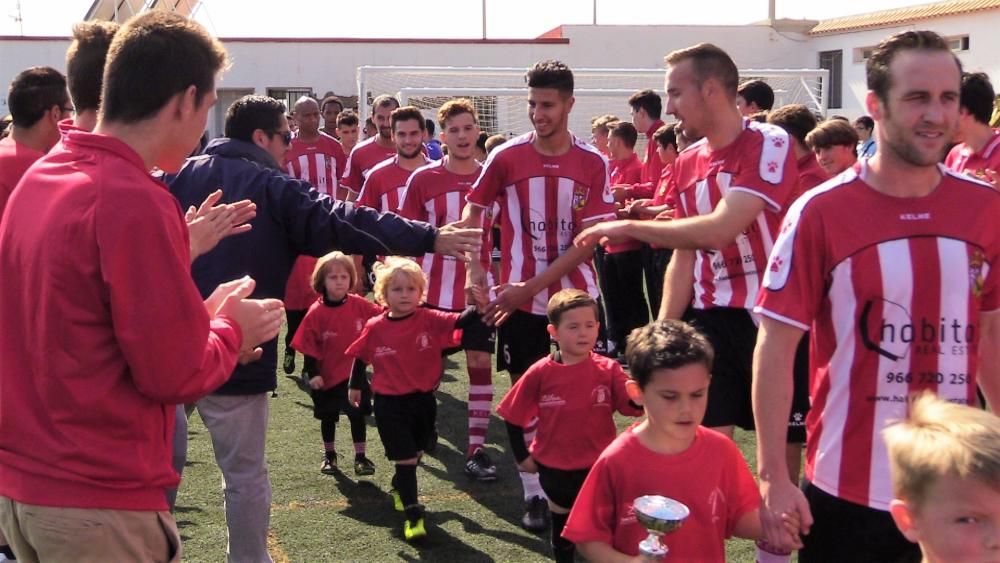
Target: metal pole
484,19
595,12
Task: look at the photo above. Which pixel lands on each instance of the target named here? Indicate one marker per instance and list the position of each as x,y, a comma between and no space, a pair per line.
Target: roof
899,16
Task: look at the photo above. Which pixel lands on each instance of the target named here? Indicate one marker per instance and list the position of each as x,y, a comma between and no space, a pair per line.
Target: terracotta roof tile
899,16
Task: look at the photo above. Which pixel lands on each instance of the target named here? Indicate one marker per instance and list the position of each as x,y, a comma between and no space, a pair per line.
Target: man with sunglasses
292,219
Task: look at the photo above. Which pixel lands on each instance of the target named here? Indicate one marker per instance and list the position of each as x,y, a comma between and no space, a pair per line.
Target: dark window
833,61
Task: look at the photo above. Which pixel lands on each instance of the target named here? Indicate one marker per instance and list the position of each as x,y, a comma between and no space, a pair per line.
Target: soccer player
38,102
732,188
646,108
385,182
753,97
889,266
864,126
347,130
573,394
97,274
549,185
599,132
436,194
945,465
798,121
834,142
978,150
374,149
85,60
667,454
331,107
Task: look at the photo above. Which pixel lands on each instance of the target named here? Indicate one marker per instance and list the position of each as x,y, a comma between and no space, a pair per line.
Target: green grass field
317,518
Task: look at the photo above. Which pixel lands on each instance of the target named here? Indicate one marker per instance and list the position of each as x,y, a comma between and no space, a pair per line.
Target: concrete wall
984,44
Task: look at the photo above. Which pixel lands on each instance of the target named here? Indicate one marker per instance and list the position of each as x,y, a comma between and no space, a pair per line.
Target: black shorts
800,393
329,403
522,341
733,334
405,423
477,336
844,531
561,485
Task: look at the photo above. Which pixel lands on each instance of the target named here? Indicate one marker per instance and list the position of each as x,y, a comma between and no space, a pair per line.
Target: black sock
359,432
7,552
328,430
562,548
406,484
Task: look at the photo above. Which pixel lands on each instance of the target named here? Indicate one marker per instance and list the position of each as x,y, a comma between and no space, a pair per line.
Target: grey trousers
238,427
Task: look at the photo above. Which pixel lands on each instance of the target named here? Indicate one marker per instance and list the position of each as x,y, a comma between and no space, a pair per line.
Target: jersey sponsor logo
896,333
551,400
915,216
381,351
329,334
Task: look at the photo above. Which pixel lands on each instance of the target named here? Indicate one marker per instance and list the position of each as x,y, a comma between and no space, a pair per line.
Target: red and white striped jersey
759,162
384,185
892,289
962,158
363,158
544,202
320,162
435,195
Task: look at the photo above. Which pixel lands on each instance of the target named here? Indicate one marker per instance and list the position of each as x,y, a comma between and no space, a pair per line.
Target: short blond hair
325,263
942,439
394,266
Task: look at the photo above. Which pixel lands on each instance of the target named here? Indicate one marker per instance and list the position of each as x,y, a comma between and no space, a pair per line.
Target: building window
288,96
833,61
958,43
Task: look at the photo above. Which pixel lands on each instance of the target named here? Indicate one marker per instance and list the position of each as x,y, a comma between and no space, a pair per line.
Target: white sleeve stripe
770,202
762,311
599,217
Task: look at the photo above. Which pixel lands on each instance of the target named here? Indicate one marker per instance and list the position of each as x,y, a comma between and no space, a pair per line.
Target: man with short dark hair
347,130
84,434
38,102
754,96
894,245
292,220
833,142
978,150
864,126
387,180
85,68
646,108
330,107
372,150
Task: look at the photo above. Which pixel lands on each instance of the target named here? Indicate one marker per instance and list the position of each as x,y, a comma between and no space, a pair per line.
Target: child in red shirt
574,394
332,323
404,346
667,454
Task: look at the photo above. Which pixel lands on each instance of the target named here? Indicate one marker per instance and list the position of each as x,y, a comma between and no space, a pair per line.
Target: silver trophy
659,515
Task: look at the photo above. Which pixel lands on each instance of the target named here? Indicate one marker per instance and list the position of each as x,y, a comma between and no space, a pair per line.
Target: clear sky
435,18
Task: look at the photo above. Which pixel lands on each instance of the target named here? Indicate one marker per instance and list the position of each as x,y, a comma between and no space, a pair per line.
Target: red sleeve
367,195
771,173
794,282
491,180
411,202
618,393
306,338
341,157
741,492
371,309
643,190
520,405
443,327
599,203
594,513
174,352
352,179
360,348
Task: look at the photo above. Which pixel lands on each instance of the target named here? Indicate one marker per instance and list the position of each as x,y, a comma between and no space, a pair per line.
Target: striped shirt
892,289
759,162
544,202
320,162
435,195
384,185
364,156
962,158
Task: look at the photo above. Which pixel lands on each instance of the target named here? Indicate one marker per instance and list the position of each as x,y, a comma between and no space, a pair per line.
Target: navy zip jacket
292,219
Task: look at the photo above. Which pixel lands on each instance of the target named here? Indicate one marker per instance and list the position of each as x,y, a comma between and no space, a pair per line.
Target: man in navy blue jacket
292,219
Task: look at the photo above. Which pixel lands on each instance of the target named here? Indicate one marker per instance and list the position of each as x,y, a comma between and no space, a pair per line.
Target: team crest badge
580,197
600,394
976,274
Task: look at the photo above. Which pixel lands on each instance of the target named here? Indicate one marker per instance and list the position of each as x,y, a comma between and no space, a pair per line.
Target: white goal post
499,92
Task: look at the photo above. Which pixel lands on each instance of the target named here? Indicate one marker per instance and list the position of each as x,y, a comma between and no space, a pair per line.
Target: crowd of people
828,285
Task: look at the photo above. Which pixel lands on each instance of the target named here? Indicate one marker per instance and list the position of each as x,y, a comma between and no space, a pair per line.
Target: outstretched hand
608,232
454,239
209,223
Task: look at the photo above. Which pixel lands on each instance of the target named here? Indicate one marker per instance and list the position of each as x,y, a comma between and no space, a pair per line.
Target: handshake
259,319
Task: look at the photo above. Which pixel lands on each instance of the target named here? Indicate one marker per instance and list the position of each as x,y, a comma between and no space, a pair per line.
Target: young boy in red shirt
667,454
573,394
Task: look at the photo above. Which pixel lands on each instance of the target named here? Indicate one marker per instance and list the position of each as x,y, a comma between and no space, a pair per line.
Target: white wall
984,44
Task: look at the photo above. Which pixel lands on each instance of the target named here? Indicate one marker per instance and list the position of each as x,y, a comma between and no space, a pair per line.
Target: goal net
499,93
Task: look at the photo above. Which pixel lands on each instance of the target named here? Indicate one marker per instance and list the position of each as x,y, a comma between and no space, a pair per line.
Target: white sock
765,555
532,488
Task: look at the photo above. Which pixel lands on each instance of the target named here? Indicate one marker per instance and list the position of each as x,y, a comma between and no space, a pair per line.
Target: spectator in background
754,96
481,146
431,144
370,129
834,142
331,107
978,150
865,126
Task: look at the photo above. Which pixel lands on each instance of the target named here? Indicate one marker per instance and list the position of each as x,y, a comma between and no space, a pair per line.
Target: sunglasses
286,137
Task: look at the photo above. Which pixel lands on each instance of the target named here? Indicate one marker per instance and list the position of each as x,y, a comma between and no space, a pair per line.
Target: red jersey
437,196
575,406
544,202
15,158
326,332
320,162
299,293
711,478
961,158
625,171
666,193
363,158
384,185
892,289
103,331
405,353
811,174
759,162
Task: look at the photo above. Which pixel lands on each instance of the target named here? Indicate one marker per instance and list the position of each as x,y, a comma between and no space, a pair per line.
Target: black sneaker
289,364
480,467
363,466
329,465
536,515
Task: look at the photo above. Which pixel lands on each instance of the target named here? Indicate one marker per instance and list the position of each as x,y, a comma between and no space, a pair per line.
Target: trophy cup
659,515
